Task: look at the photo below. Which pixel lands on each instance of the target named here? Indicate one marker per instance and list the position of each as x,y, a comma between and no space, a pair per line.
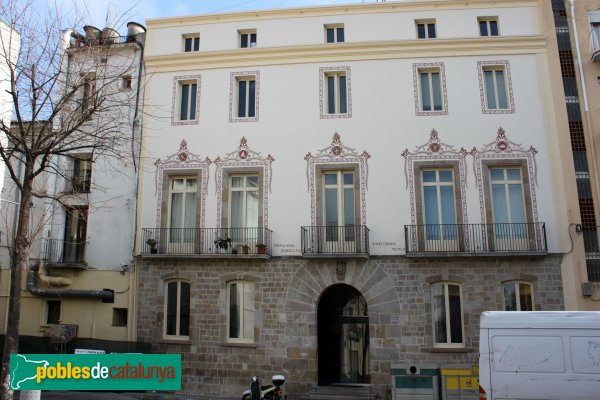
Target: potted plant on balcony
152,243
223,243
245,249
261,248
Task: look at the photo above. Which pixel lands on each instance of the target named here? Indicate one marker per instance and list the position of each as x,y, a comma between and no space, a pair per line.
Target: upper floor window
75,235
81,173
53,312
185,100
247,38
244,96
495,87
488,26
508,207
335,99
439,210
182,210
425,29
334,33
518,296
126,82
177,310
447,315
191,43
240,306
430,84
88,95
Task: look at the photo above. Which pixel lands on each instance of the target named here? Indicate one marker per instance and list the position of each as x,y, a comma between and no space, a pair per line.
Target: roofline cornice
346,52
315,11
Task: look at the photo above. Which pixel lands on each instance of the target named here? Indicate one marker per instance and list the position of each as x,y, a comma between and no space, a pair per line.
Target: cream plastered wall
383,118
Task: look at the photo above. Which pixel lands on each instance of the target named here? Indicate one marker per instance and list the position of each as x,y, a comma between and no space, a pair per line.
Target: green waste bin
415,382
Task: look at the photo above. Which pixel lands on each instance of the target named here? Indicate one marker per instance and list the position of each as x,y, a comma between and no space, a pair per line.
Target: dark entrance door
343,336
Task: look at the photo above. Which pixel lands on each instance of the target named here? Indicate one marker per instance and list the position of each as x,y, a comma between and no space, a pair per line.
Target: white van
547,355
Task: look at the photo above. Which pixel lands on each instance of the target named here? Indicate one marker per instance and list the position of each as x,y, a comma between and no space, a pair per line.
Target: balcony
350,241
64,253
208,242
595,43
476,239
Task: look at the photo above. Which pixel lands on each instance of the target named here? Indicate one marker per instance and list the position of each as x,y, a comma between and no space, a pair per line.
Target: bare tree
68,98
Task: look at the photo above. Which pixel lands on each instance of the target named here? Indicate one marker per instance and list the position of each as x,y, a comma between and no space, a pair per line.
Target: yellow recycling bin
460,382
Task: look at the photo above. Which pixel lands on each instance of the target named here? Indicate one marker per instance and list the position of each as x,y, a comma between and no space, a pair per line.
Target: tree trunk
22,247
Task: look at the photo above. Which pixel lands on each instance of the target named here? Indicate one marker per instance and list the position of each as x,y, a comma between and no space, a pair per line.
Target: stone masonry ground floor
328,322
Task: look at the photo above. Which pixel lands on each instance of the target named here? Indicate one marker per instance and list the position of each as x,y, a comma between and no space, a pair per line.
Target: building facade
578,36
79,291
336,193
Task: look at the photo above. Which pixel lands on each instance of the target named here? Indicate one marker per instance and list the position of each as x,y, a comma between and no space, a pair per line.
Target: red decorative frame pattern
176,80
322,72
232,87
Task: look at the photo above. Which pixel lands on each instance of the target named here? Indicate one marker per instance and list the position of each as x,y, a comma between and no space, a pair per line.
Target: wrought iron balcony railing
64,252
502,238
206,241
348,240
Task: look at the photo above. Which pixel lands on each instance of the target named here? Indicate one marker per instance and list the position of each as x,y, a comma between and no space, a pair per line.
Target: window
334,33
508,205
495,87
425,29
439,210
81,174
246,97
53,308
488,26
245,199
430,89
177,309
191,43
187,109
75,235
339,212
241,311
447,315
119,317
88,95
126,82
518,296
185,100
337,95
182,214
247,39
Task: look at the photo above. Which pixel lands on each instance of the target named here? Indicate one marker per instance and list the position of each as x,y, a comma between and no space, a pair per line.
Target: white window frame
506,182
429,72
504,66
176,105
335,28
488,21
244,190
426,23
449,343
248,33
324,72
236,78
418,69
244,284
177,336
517,284
195,39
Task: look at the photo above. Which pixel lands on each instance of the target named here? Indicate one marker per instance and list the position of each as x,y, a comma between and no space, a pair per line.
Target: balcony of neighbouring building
349,241
206,242
595,43
501,239
63,253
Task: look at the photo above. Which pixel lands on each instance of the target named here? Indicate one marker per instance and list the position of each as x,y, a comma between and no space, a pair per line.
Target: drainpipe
64,293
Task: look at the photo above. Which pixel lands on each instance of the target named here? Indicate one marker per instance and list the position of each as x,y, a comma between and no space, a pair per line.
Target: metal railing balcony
206,241
595,43
481,239
335,241
58,251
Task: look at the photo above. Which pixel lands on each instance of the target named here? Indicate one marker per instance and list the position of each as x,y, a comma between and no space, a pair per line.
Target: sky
140,10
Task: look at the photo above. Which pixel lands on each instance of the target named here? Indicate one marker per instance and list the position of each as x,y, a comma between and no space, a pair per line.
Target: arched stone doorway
343,336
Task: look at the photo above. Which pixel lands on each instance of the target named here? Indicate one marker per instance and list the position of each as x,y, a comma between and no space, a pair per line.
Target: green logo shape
95,371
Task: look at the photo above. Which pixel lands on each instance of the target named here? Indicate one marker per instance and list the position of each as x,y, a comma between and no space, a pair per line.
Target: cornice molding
345,52
347,9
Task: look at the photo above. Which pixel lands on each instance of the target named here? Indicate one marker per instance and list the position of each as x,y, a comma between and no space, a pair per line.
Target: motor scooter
269,392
